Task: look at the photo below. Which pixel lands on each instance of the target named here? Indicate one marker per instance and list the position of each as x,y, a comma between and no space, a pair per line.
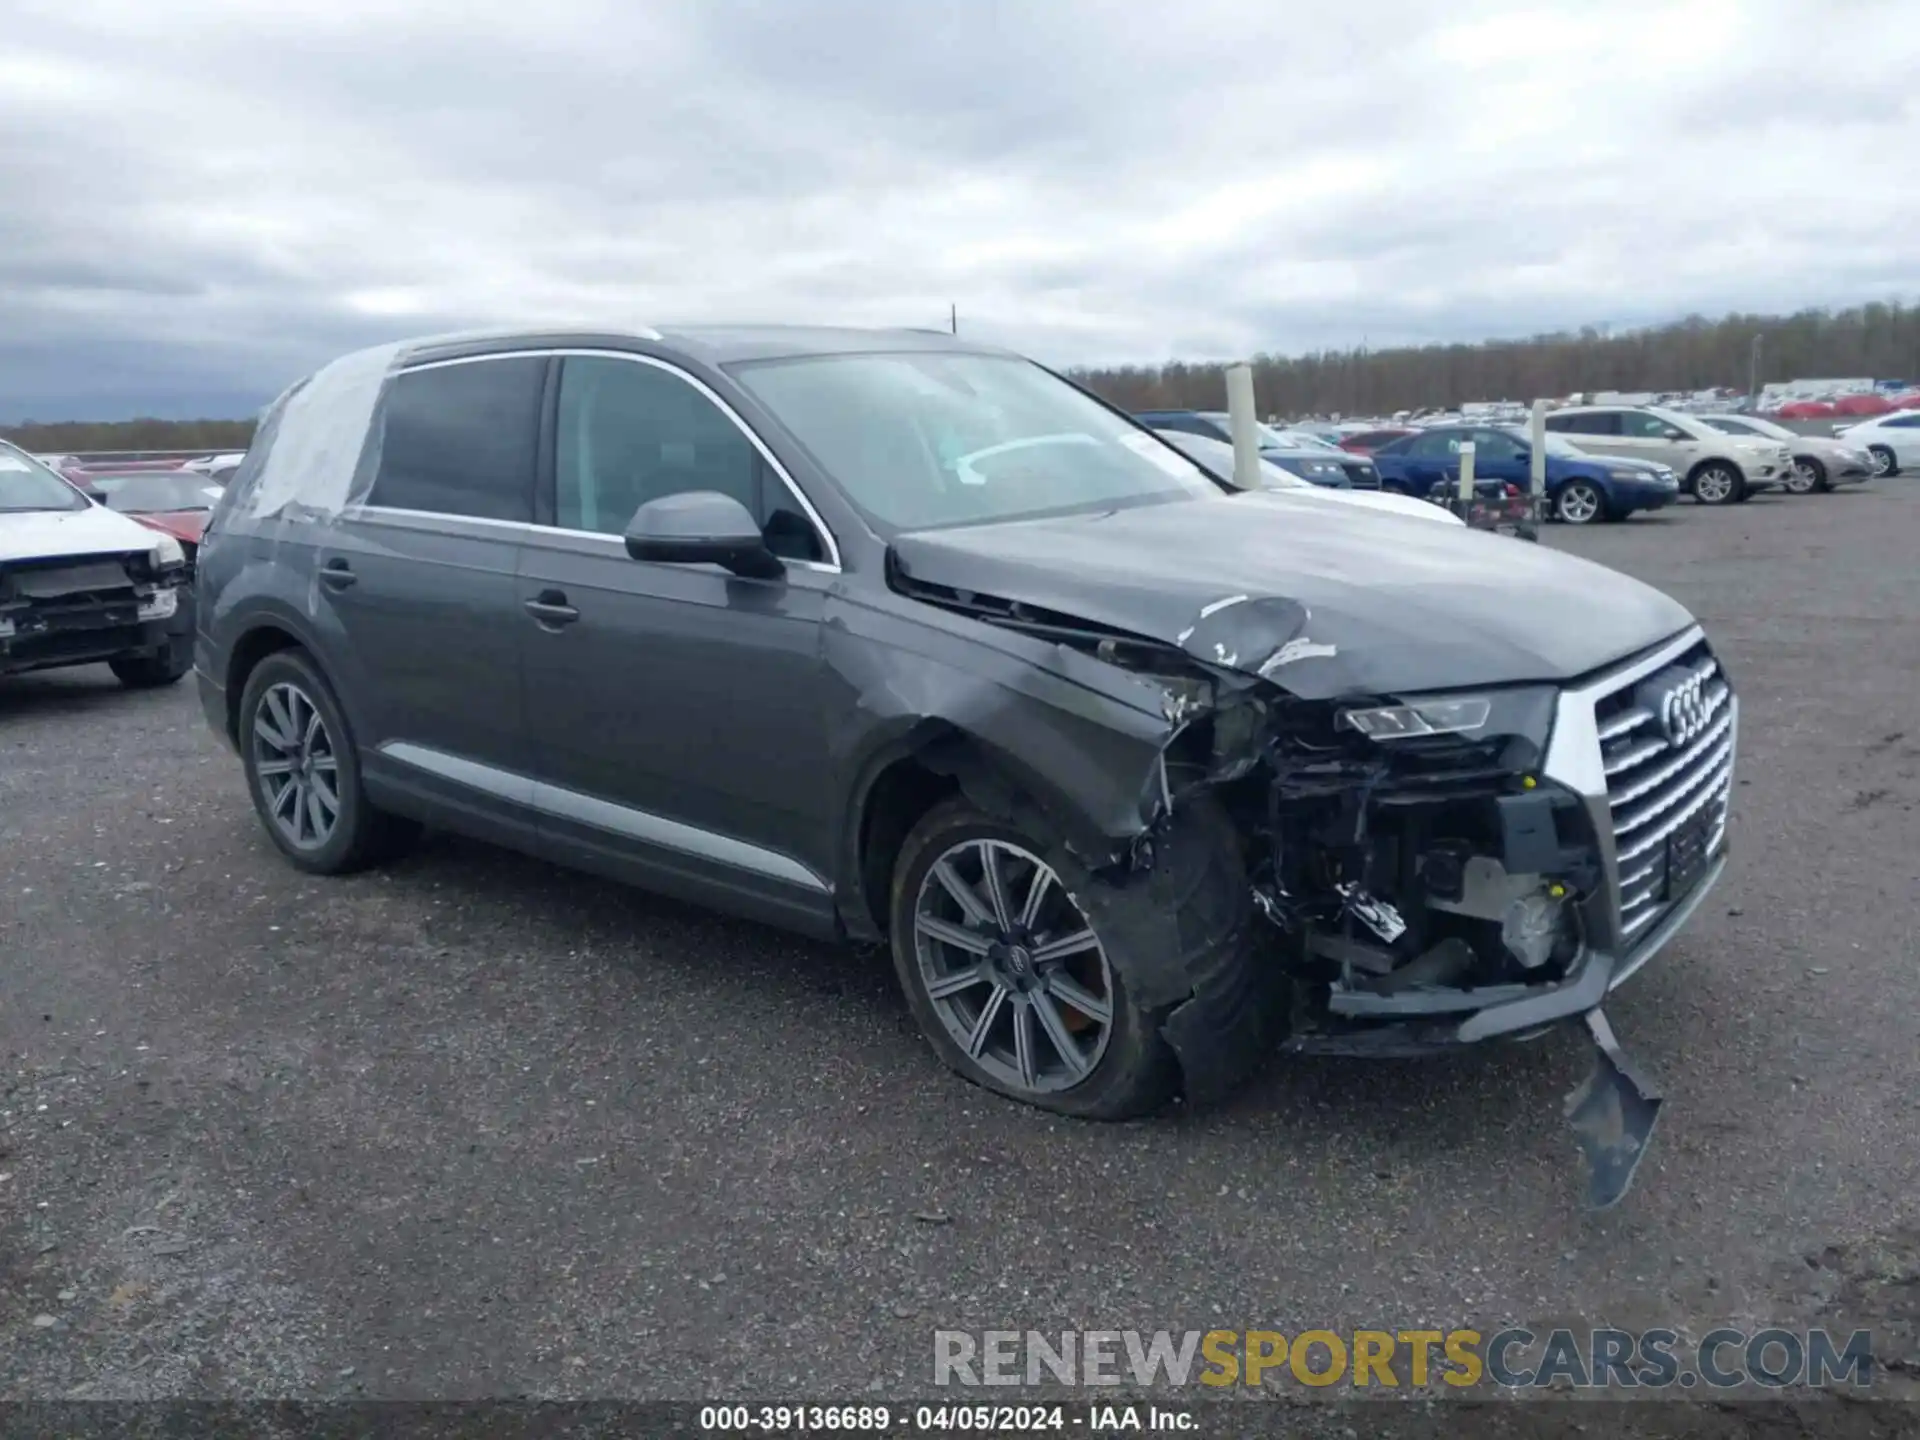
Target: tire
151,672
1579,502
1884,461
1807,476
1717,483
1392,487
287,693
1123,1067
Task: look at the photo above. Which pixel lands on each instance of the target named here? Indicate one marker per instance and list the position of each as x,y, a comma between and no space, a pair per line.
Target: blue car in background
1328,467
1581,488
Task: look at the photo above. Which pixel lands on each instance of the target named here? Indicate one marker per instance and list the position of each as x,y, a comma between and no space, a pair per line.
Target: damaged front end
1444,868
73,609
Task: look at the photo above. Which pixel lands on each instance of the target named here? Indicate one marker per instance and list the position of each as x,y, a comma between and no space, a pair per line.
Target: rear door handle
550,608
337,575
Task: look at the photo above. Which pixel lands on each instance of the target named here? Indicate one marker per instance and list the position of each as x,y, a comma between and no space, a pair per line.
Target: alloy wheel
1804,480
1579,503
1012,967
1714,486
299,772
1882,459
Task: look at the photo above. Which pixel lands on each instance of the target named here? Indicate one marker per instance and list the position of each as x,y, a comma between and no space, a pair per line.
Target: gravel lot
473,1126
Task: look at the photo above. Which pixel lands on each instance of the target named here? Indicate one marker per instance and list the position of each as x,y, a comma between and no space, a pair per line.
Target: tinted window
461,439
1904,422
630,432
1434,446
1492,445
1649,427
1606,422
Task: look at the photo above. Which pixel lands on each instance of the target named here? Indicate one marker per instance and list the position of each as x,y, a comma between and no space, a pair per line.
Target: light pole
1753,372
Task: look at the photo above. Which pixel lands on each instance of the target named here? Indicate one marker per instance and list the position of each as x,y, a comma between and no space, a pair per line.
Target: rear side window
1606,422
1649,427
463,439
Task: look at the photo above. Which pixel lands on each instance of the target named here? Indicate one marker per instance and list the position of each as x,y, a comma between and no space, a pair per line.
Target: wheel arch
906,775
268,634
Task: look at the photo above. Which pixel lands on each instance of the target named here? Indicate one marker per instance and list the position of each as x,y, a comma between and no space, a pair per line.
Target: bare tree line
1881,341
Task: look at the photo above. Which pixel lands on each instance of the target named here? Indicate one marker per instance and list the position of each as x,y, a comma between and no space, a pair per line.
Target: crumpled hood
49,534
1325,601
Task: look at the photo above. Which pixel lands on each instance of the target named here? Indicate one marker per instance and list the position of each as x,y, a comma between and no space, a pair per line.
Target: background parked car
1365,442
1819,462
1581,488
1216,457
1892,440
1714,467
175,502
1312,460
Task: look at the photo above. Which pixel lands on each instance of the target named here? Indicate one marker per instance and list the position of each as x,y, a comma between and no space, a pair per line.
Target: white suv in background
1715,468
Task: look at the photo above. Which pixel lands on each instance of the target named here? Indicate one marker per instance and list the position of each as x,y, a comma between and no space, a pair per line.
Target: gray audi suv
891,637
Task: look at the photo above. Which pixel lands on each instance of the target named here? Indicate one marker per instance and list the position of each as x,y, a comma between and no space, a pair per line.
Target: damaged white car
80,583
896,638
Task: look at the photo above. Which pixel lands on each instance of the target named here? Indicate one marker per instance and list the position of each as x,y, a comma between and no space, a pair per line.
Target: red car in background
174,501
1365,442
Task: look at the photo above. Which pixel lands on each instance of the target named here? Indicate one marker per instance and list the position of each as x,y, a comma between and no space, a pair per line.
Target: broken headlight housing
1522,714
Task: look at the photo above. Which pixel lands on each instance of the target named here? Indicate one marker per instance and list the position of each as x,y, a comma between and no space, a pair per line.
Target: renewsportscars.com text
1513,1359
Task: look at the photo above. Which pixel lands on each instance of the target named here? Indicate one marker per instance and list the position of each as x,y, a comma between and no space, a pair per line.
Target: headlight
1626,474
1523,715
167,552
1428,717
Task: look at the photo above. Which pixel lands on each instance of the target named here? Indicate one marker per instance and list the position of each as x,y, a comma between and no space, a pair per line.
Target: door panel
677,722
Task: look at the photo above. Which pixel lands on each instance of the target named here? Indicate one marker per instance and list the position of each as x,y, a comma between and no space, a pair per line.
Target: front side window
630,432
461,439
1492,445
1434,447
923,440
27,485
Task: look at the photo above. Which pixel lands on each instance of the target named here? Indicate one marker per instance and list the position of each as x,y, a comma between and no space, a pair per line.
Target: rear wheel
1717,484
1806,476
304,772
1579,503
1884,463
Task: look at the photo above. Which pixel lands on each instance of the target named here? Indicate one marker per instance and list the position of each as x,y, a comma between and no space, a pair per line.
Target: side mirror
701,527
99,497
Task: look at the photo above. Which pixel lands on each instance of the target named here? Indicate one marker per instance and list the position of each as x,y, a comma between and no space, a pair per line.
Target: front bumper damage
1402,891
77,610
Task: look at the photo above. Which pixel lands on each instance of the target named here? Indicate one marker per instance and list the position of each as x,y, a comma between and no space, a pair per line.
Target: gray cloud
206,198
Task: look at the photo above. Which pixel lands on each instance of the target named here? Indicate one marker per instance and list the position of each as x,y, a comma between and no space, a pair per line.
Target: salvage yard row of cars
1602,462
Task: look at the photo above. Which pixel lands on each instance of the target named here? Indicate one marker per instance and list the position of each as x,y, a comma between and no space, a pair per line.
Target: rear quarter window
462,439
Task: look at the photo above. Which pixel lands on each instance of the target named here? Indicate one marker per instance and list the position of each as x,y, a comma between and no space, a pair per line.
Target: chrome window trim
360,510
831,566
589,810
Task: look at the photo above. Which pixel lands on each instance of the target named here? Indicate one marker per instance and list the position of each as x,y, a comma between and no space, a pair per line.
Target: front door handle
336,574
550,608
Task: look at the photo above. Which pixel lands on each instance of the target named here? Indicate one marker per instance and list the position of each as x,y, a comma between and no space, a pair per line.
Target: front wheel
1806,476
1717,485
1579,503
304,772
1884,463
151,672
1014,960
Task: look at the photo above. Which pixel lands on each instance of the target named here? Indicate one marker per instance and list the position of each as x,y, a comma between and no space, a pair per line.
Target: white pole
1241,420
1537,448
1466,473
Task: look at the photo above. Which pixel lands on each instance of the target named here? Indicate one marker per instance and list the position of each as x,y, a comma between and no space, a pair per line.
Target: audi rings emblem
1682,709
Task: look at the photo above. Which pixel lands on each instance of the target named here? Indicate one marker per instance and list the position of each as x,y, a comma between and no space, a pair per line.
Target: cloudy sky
200,199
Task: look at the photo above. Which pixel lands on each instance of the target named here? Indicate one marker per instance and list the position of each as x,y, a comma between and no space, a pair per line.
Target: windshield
152,492
27,485
923,440
1746,427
